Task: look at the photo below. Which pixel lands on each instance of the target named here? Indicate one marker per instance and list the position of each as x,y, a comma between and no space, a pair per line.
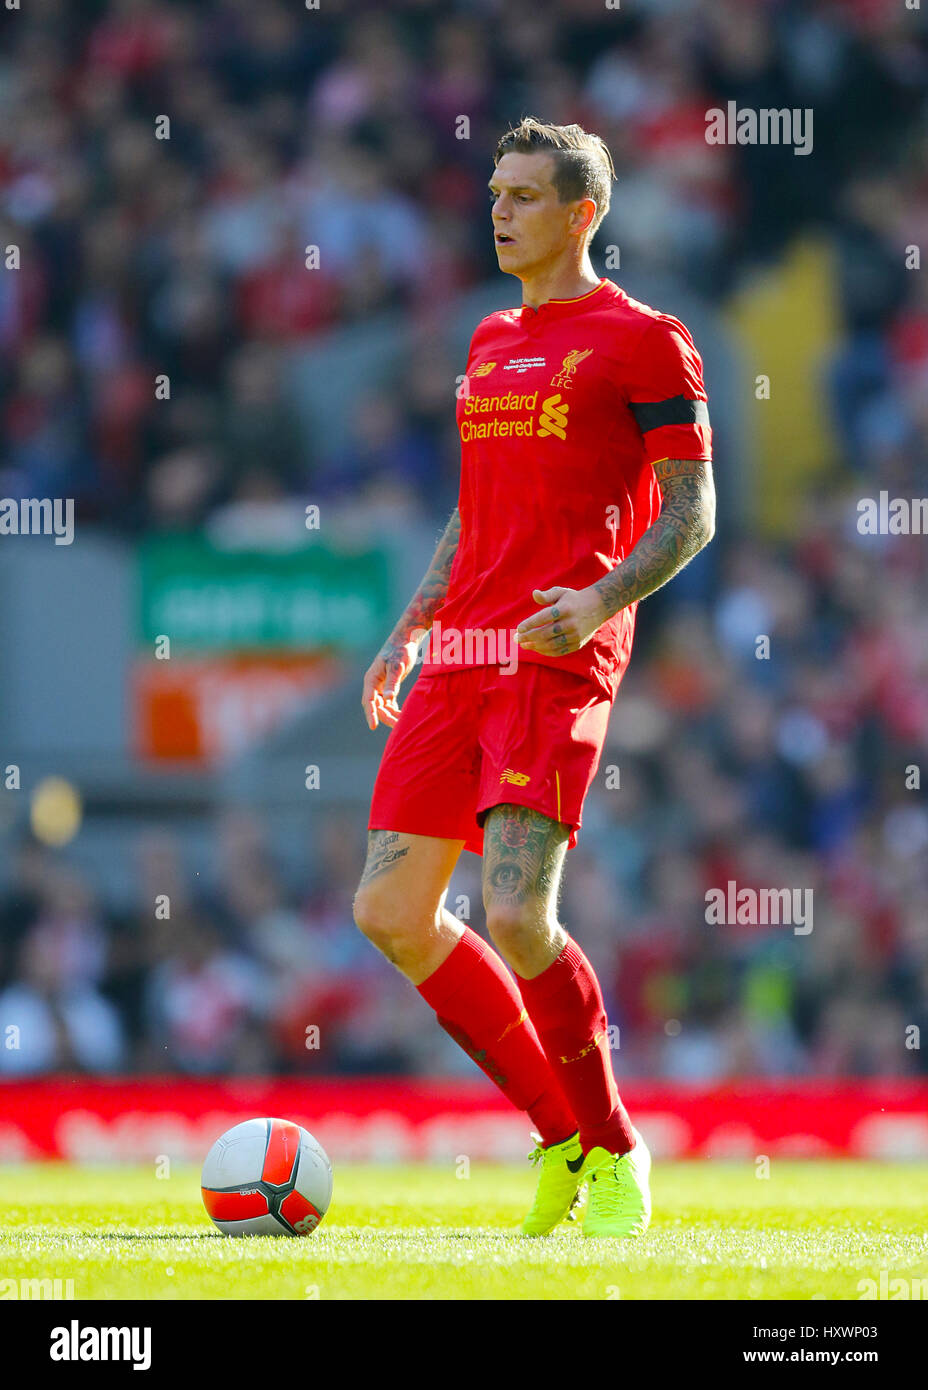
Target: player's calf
400,908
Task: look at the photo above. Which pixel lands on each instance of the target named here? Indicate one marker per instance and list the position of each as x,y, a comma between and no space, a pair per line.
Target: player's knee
372,915
382,920
516,927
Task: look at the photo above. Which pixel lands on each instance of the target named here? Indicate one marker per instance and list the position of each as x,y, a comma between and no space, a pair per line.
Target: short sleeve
666,395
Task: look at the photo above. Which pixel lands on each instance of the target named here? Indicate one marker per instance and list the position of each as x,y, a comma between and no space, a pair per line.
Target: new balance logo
518,779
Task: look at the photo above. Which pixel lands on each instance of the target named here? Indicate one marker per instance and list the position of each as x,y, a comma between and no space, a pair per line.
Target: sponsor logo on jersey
553,418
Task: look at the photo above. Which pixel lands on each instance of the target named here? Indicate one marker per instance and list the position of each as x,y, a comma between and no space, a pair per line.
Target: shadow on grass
154,1235
354,1233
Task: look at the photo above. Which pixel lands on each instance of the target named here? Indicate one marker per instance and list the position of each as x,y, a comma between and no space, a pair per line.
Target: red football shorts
470,739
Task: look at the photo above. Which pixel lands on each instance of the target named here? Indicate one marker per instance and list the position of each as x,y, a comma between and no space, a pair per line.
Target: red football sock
479,1006
566,1006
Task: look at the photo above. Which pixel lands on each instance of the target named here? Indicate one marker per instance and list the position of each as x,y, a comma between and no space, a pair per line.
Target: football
266,1178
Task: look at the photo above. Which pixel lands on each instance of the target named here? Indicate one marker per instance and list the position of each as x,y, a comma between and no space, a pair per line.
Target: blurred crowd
185,256
164,167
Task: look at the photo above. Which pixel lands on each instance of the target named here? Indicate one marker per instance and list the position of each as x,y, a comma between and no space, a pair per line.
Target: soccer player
586,484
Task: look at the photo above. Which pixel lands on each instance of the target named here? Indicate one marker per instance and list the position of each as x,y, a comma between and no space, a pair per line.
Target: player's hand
382,680
566,622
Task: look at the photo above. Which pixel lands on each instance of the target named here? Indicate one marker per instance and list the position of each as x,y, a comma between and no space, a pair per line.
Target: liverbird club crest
562,379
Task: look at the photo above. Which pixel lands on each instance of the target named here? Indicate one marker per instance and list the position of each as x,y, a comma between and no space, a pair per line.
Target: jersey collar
563,308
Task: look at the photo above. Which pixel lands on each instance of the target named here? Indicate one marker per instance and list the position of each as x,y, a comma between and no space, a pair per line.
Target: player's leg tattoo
523,855
383,851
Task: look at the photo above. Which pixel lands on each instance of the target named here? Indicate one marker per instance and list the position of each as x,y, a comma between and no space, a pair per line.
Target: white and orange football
267,1178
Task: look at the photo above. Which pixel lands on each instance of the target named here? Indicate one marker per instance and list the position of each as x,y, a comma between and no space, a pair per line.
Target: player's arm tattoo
685,525
383,851
428,598
523,852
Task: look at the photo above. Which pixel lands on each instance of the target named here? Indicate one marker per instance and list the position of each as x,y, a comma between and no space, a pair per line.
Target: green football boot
558,1184
619,1193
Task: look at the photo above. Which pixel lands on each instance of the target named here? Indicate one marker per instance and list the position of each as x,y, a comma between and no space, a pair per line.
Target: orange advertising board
203,710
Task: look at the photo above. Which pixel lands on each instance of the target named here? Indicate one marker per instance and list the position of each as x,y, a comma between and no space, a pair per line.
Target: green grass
811,1229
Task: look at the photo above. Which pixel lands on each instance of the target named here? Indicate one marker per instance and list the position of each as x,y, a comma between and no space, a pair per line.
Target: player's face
531,227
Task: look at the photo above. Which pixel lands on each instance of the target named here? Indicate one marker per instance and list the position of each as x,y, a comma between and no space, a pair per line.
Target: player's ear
584,215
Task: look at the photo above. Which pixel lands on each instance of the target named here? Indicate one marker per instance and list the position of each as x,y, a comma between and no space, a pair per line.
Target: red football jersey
562,413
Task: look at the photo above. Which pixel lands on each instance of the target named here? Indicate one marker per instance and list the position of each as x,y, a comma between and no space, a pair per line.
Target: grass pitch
810,1230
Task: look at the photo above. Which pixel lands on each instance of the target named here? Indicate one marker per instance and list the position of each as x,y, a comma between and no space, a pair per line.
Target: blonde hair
583,166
